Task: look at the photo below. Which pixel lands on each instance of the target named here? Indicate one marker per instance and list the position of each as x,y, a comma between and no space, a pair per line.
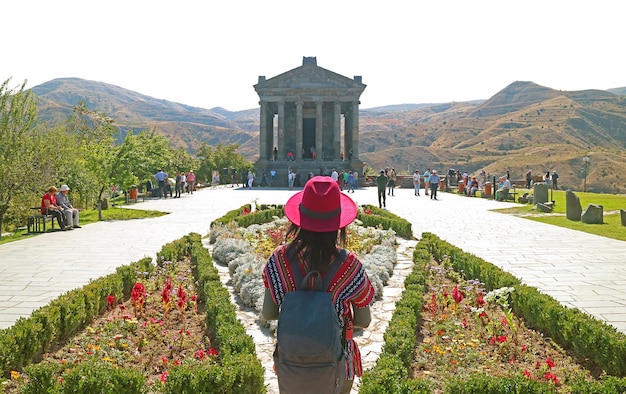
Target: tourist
191,182
291,179
317,238
49,207
426,180
546,178
529,179
381,182
275,154
250,179
391,183
161,177
434,184
416,182
472,187
71,213
350,182
177,185
502,193
555,178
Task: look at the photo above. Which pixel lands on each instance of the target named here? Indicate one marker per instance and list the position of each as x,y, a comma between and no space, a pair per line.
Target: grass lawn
88,216
611,203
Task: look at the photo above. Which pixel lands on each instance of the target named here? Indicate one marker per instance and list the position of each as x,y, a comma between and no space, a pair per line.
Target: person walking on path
191,182
434,184
392,181
381,182
250,179
416,182
319,216
426,180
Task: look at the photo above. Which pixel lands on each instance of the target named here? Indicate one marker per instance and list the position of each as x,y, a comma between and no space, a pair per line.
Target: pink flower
164,376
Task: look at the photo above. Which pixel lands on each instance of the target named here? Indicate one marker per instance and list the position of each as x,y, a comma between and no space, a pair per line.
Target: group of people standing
387,178
56,203
183,183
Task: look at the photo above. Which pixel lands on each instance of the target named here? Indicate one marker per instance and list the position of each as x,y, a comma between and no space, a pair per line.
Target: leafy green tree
219,157
95,132
26,152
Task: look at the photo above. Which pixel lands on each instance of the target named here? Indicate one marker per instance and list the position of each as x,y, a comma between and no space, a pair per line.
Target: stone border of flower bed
587,338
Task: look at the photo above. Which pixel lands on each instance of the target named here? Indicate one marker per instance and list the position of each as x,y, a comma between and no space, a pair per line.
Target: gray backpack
310,342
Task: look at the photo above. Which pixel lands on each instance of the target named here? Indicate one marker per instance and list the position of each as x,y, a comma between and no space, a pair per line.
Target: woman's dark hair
320,248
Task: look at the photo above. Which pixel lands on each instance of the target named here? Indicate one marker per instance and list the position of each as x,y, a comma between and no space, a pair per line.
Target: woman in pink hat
319,215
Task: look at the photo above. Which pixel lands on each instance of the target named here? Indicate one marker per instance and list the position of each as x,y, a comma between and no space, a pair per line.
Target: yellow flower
15,375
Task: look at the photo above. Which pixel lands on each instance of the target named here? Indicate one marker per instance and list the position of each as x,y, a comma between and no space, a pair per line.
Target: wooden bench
37,222
511,196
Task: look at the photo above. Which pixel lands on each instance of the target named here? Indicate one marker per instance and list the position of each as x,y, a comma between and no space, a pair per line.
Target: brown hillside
523,127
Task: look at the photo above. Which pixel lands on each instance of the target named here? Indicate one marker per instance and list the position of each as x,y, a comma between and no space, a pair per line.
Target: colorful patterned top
351,286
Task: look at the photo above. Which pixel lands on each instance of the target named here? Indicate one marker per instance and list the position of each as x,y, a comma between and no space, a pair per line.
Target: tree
94,132
219,157
25,152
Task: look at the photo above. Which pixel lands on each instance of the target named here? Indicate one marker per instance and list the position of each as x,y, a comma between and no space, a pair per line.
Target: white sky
209,53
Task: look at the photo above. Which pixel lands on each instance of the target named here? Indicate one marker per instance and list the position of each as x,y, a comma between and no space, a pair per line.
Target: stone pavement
579,270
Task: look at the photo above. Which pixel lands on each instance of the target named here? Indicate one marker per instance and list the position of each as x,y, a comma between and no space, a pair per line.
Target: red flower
526,373
501,338
164,376
138,296
480,299
110,300
550,362
457,295
504,321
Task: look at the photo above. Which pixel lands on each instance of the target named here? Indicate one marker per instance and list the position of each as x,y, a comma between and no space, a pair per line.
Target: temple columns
337,130
355,130
281,130
263,131
298,151
318,129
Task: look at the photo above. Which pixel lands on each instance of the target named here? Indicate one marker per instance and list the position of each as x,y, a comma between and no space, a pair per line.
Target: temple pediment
309,77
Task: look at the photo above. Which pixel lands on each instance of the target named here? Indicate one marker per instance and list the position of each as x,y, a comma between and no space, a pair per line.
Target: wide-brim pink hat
321,206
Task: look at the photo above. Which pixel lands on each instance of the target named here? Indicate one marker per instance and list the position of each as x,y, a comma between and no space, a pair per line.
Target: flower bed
444,343
156,340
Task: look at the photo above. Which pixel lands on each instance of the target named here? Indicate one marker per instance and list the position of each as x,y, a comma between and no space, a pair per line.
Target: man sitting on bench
49,207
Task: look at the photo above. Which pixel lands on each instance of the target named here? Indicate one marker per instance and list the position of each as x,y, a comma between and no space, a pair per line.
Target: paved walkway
580,270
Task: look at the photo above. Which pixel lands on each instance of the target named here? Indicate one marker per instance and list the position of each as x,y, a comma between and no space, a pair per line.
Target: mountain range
523,127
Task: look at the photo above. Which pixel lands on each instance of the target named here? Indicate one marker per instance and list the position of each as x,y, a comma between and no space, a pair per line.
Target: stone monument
593,214
573,209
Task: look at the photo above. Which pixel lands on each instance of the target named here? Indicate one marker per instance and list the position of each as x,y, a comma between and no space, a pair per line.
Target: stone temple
309,123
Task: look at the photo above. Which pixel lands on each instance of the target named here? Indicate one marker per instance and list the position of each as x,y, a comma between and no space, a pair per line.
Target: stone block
593,214
545,208
622,213
573,209
540,193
